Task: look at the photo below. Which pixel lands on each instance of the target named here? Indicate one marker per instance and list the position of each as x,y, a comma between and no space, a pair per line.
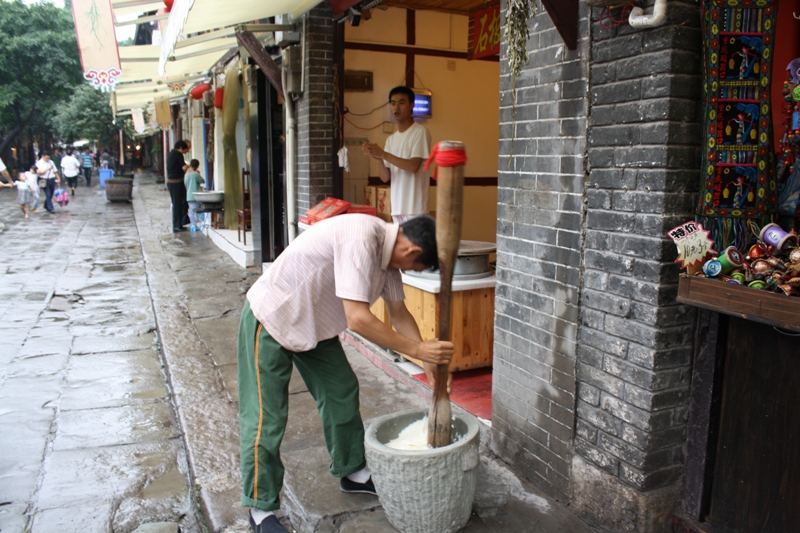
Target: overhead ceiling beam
270,69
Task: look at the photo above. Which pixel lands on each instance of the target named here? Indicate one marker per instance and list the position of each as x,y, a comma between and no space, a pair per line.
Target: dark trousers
180,208
48,191
87,174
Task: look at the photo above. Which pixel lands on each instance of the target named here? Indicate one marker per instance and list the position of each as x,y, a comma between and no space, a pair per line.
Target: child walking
23,193
192,181
32,178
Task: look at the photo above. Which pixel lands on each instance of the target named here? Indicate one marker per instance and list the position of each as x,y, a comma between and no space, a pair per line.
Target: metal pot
471,264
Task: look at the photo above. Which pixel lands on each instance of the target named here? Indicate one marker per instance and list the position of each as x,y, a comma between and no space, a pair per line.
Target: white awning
141,84
193,16
123,8
140,62
151,73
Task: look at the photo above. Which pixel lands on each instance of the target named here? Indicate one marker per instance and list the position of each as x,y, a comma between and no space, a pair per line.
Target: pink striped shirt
299,298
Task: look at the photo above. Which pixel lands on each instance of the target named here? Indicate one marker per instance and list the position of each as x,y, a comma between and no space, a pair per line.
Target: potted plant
119,189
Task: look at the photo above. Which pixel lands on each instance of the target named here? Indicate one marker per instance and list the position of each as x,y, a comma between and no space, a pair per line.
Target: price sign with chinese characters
693,243
486,32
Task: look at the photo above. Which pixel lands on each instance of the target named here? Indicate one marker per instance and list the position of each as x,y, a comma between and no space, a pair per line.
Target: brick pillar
591,354
539,235
315,112
635,343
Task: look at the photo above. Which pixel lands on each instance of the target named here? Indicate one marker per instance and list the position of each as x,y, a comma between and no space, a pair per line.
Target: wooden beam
565,16
401,49
256,50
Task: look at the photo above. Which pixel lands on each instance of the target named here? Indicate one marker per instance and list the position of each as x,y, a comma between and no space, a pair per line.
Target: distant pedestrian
47,170
192,182
71,169
5,174
86,158
176,167
104,159
56,157
23,193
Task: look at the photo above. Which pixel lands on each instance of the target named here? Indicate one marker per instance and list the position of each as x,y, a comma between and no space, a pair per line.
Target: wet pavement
88,434
118,391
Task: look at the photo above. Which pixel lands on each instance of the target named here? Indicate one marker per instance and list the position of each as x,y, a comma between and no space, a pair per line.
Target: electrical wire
366,129
612,22
347,111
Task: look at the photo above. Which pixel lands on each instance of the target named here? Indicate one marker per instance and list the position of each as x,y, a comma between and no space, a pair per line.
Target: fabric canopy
193,16
140,83
151,73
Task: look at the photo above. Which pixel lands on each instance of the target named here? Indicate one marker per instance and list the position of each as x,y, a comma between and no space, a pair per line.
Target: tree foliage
86,115
39,64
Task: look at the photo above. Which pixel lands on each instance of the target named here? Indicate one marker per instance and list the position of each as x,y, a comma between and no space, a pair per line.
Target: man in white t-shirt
46,169
71,169
400,161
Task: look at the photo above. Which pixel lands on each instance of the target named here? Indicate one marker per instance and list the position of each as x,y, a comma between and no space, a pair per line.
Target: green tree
39,64
86,115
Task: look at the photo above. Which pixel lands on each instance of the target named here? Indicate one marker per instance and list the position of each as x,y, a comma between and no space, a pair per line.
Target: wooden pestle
449,204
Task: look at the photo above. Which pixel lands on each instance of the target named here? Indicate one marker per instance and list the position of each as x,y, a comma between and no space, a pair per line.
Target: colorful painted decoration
739,164
105,80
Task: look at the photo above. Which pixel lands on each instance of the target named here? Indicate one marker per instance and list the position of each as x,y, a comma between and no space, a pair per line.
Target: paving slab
89,441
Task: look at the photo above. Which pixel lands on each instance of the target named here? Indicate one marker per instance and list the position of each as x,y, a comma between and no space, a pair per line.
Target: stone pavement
88,438
119,277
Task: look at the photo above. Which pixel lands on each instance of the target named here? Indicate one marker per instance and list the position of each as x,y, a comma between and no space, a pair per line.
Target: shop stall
742,273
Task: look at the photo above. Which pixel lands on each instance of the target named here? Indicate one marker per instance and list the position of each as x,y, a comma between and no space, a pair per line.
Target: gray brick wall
540,218
315,112
591,352
643,158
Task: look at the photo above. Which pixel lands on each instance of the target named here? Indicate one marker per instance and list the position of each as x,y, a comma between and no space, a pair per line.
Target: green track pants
265,368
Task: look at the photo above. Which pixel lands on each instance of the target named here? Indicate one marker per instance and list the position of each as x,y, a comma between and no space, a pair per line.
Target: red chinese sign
486,32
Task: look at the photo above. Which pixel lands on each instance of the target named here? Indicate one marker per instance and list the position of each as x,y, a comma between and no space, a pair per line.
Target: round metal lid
476,248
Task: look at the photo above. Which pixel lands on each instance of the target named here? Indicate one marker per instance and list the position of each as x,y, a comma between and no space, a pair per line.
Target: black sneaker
351,487
269,525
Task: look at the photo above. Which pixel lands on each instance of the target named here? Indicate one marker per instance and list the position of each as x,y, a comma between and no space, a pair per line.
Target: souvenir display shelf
762,306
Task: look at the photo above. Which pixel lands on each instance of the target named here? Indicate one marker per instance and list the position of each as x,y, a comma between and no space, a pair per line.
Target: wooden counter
472,320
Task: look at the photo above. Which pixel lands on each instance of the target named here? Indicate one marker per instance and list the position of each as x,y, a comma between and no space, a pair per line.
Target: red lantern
219,96
169,3
198,90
